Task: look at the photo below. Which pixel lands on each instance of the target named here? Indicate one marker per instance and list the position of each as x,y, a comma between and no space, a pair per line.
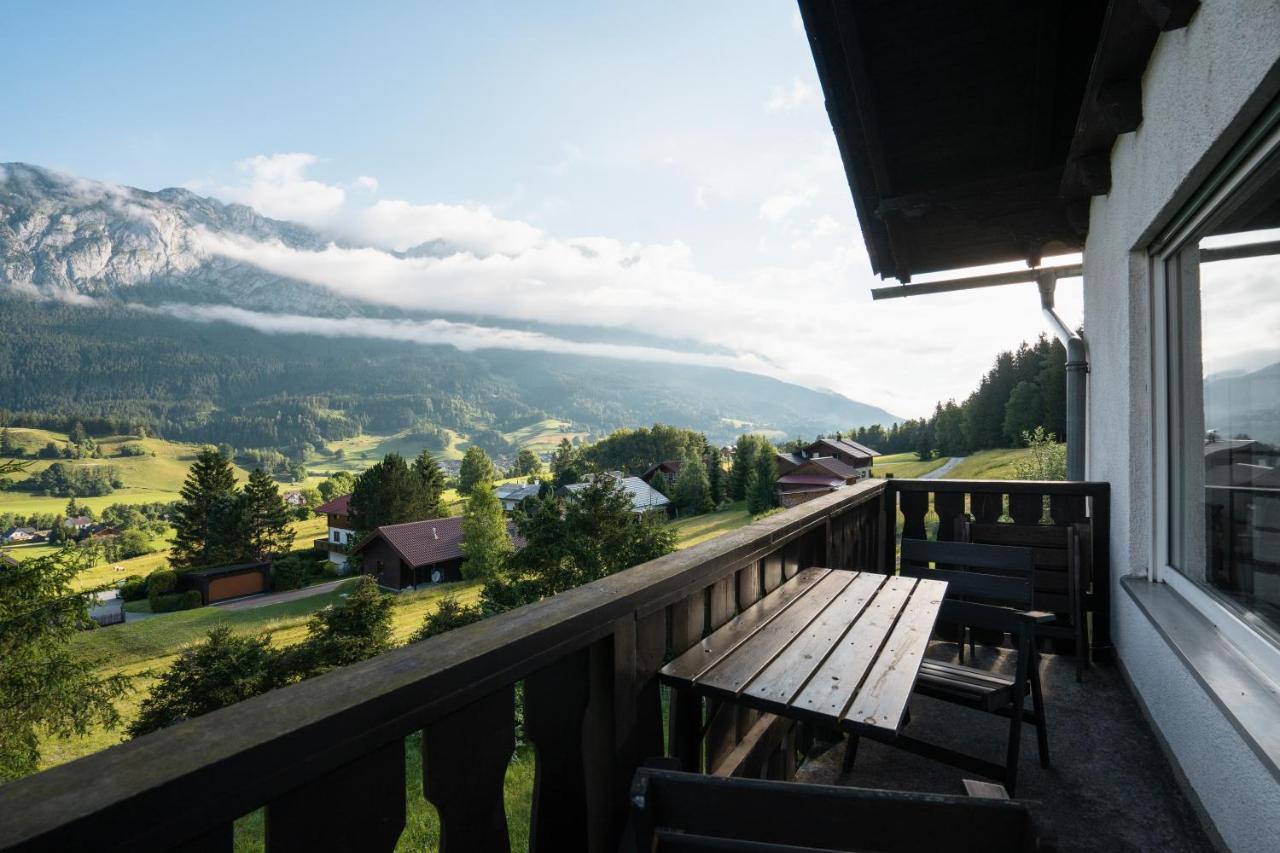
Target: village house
341,534
416,553
78,523
813,477
511,495
669,469
644,498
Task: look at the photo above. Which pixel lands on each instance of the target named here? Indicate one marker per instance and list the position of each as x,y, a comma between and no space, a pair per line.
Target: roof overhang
975,133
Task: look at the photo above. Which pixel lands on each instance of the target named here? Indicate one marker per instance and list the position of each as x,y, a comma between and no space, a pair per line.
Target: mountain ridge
106,254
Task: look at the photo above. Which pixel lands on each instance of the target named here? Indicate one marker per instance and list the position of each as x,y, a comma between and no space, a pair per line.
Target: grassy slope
904,465
700,528
145,647
988,465
146,478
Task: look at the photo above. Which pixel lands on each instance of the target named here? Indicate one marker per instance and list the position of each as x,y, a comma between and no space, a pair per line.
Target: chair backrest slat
986,584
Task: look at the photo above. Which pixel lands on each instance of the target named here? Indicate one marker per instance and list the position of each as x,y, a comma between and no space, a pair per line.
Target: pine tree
527,464
485,540
692,491
47,688
431,480
762,492
209,485
715,477
78,435
744,459
476,468
388,493
658,482
566,465
7,446
265,518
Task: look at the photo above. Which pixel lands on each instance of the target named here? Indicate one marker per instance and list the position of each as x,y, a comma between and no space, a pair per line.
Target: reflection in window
1240,364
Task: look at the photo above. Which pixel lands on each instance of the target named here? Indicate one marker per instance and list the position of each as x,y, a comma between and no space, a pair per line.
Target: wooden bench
676,811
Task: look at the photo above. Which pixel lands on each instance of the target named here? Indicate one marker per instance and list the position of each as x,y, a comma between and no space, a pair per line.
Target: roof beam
979,281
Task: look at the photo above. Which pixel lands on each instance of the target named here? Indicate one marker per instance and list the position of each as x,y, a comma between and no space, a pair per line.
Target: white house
1145,135
340,535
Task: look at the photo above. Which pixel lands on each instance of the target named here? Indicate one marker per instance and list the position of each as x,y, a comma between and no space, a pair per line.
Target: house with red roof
405,556
814,477
341,535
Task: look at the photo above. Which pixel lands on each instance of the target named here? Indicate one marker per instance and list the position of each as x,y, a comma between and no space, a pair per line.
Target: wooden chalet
416,553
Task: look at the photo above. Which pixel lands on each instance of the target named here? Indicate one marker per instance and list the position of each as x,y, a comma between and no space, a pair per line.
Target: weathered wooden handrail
599,645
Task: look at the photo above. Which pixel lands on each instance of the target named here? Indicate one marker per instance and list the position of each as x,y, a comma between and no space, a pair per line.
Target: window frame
1173,261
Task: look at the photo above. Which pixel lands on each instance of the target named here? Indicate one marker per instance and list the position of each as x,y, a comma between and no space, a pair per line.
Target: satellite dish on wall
437,576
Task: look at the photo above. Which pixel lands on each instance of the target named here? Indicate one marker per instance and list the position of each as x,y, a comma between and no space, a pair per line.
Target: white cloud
700,196
278,188
365,182
464,336
778,207
824,225
784,98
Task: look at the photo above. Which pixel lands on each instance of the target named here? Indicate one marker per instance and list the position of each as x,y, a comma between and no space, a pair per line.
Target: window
1218,394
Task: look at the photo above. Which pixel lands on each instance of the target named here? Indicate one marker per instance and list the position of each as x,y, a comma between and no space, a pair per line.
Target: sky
665,167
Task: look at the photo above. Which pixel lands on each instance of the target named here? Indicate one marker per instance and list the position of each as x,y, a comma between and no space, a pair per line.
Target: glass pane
1239,343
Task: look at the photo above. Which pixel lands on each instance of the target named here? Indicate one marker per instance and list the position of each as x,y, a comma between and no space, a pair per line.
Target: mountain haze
117,309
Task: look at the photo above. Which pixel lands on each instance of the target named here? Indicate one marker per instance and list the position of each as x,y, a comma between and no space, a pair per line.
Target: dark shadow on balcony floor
1110,787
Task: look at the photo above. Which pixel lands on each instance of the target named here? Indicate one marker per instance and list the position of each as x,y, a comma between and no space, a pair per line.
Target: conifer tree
388,493
431,480
485,540
209,485
692,491
264,518
761,482
7,446
715,476
476,468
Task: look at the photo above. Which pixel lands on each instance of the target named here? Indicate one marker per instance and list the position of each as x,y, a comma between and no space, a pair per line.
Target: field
906,465
146,479
700,528
989,465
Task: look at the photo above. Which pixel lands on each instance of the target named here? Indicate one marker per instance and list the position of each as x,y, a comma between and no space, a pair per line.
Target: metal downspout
1077,369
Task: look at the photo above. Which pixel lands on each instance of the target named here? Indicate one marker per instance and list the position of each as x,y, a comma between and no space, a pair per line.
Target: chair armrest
1037,617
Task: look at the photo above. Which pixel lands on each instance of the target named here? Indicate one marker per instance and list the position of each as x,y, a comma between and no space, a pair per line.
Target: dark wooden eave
954,121
976,133
1112,102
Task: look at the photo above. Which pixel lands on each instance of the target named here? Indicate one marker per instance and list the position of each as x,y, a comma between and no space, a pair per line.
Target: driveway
943,468
281,597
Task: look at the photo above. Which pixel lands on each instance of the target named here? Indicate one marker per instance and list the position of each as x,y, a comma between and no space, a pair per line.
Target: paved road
943,468
281,597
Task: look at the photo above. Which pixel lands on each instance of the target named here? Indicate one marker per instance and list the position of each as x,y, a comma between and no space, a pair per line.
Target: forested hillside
117,368
1025,389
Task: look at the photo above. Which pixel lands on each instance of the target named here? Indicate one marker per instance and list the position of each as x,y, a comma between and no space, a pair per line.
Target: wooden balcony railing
326,758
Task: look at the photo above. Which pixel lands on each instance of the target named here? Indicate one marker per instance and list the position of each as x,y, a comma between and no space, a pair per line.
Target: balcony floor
1110,787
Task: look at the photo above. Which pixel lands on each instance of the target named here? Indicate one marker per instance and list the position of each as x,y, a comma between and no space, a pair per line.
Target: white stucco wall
1204,84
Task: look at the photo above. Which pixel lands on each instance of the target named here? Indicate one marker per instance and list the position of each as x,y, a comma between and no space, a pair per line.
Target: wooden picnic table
839,649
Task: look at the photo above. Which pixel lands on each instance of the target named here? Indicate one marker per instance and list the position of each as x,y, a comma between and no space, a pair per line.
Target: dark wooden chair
1060,556
676,811
988,587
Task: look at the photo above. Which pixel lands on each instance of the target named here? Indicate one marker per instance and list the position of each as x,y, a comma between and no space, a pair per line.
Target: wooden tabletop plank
735,671
688,666
883,696
782,679
833,685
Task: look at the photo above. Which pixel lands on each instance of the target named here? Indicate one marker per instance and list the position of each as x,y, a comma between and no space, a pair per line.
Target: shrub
191,600
288,573
449,614
134,588
166,603
160,584
329,571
